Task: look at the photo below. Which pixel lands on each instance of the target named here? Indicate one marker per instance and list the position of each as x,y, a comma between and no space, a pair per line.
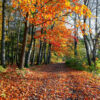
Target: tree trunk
3,35
33,57
22,58
45,45
87,51
95,40
85,39
12,48
28,55
42,51
39,56
8,52
75,34
49,54
18,36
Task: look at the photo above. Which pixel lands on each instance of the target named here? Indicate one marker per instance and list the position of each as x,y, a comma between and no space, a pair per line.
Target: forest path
63,83
49,82
53,68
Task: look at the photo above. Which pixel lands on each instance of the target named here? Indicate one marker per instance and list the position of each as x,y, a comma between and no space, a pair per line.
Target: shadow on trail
58,67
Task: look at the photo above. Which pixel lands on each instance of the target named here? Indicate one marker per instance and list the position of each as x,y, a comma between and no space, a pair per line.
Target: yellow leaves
67,3
90,31
70,14
77,8
77,25
60,14
7,39
84,10
86,33
47,16
84,26
3,95
48,11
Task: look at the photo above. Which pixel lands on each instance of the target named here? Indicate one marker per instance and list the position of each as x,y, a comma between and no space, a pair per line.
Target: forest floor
48,82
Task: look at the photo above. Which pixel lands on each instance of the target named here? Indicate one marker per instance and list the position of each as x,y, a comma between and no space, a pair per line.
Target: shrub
76,63
98,66
2,69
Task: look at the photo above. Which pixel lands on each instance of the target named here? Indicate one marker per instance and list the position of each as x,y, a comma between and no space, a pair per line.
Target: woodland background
45,32
77,46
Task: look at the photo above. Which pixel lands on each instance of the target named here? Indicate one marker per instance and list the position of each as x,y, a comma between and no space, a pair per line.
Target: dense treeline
13,27
24,39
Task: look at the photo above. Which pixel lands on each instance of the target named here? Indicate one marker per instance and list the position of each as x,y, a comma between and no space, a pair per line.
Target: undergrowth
2,69
81,64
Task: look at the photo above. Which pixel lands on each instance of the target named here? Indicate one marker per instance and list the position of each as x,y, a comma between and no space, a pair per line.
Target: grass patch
22,72
82,65
2,69
76,64
98,66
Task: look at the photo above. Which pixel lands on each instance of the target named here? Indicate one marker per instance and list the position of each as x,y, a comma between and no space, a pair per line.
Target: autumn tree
43,13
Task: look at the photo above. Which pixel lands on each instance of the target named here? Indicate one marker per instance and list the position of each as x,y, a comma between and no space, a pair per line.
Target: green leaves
2,69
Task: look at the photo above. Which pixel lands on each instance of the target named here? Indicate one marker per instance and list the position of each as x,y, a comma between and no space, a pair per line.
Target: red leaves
49,82
45,11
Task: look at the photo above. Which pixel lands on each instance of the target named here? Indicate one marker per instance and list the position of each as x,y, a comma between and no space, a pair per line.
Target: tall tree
28,55
75,34
3,34
22,58
96,33
85,37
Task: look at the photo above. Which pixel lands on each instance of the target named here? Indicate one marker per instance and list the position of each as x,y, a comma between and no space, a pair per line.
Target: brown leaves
48,82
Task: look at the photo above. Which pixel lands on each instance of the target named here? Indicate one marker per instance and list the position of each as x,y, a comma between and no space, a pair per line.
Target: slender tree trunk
75,34
18,36
95,40
49,48
40,50
22,57
91,39
86,46
85,39
28,55
41,59
39,56
3,35
45,45
87,51
8,53
49,54
8,43
12,48
33,57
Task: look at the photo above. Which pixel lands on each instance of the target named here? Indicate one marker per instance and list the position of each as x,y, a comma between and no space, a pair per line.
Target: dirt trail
63,83
49,82
59,67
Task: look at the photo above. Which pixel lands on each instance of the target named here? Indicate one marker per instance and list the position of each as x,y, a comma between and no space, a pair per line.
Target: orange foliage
48,82
45,11
60,37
